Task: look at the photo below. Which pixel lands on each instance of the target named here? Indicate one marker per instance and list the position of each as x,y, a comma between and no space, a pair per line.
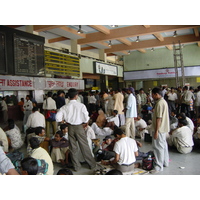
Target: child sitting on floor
60,148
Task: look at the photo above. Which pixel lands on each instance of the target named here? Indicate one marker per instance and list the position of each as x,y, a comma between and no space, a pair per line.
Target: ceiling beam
124,52
125,41
153,43
131,31
87,48
159,36
100,28
111,54
66,28
58,39
40,28
142,50
170,47
146,26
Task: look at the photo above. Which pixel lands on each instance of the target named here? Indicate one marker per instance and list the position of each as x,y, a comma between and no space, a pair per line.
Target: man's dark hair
49,94
60,133
174,111
185,87
60,92
157,90
38,130
115,111
63,126
118,131
30,165
124,89
183,122
198,87
114,172
11,126
35,109
34,143
182,115
29,96
72,93
65,171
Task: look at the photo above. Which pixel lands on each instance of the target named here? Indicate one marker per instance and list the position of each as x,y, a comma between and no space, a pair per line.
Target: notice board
61,64
3,67
28,56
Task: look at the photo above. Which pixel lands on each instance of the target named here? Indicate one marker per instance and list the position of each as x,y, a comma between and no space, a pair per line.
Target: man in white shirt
172,97
131,112
35,119
197,103
181,138
27,107
190,123
4,110
75,114
126,151
4,140
92,102
50,105
140,126
6,166
114,118
187,95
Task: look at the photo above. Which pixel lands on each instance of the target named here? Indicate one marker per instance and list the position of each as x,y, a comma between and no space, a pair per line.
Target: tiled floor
180,164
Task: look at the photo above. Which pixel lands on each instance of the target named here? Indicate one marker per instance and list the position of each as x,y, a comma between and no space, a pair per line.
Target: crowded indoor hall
99,99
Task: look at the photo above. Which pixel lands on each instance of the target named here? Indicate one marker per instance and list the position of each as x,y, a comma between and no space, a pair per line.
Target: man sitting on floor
40,135
40,153
126,151
181,138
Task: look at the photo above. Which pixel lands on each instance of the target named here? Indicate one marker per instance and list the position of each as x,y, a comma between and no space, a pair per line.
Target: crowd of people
65,129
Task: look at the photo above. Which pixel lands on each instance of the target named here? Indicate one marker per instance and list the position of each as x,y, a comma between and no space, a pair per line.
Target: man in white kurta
131,112
181,138
119,106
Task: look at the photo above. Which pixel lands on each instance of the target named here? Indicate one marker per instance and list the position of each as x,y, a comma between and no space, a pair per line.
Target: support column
104,78
75,48
102,55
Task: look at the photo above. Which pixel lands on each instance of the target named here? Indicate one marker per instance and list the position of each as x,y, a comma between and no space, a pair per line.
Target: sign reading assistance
61,64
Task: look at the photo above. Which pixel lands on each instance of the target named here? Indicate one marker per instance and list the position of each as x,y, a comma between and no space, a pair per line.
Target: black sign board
21,53
28,56
3,68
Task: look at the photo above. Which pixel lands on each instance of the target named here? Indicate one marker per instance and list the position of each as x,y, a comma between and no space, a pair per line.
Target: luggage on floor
148,162
16,157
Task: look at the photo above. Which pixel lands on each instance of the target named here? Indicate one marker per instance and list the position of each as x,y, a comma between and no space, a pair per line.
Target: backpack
42,167
16,157
148,162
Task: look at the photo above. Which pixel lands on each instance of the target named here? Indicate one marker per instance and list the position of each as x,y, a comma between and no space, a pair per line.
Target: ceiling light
79,30
152,49
175,34
129,52
109,44
137,40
